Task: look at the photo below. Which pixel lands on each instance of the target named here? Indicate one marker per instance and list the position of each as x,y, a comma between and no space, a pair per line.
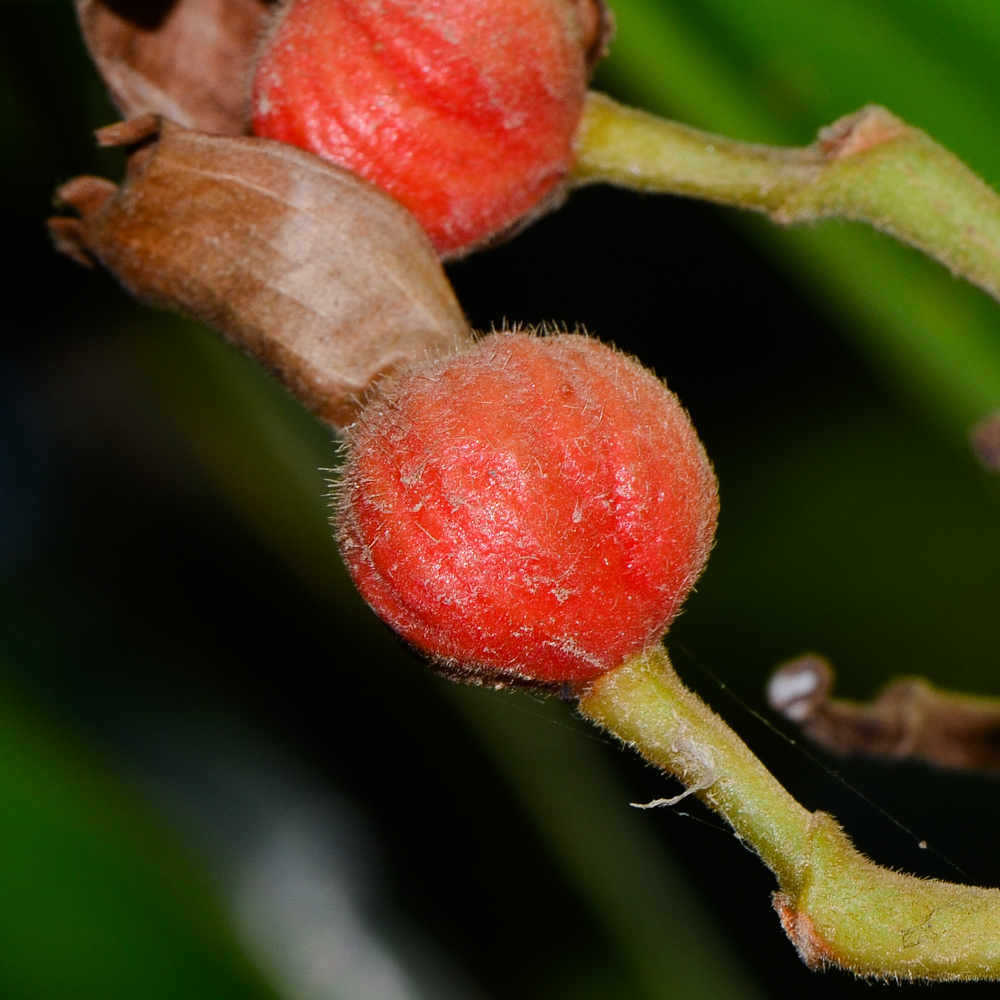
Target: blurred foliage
95,904
166,561
776,72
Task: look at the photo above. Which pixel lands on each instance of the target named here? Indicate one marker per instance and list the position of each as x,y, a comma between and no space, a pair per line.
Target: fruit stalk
867,167
838,907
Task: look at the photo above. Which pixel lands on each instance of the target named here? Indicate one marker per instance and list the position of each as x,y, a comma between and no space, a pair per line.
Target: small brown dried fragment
859,132
133,132
87,195
597,27
188,60
985,439
910,719
321,277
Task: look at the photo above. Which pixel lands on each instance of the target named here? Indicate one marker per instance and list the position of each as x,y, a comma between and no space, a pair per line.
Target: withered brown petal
323,278
188,60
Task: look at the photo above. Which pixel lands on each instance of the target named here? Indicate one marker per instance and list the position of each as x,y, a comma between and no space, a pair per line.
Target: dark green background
166,567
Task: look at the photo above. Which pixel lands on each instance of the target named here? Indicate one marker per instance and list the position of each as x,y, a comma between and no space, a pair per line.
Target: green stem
837,907
868,167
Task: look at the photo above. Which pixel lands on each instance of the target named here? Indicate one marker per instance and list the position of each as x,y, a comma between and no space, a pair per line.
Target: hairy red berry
534,508
463,110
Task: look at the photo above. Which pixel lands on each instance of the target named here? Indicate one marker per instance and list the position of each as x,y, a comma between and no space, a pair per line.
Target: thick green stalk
837,907
868,167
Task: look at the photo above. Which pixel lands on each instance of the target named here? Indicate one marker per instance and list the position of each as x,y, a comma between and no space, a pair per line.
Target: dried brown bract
188,60
324,279
910,719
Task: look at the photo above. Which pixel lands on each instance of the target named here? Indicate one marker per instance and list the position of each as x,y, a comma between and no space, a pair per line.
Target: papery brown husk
317,274
188,60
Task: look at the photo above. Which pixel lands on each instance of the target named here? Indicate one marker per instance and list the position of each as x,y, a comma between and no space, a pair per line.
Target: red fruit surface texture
463,110
534,508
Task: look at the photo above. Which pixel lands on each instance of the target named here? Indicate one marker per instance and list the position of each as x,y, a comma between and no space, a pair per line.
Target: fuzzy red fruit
463,110
535,508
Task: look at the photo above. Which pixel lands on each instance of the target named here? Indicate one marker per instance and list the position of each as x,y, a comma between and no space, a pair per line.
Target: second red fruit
463,110
531,509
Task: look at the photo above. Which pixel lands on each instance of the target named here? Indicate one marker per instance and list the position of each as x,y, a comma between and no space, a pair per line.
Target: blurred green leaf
606,847
843,527
849,533
825,59
94,905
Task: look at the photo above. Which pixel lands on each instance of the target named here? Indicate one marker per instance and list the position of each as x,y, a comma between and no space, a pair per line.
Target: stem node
869,166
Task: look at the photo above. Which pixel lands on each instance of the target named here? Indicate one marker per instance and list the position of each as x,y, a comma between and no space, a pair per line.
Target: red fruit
534,508
463,110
